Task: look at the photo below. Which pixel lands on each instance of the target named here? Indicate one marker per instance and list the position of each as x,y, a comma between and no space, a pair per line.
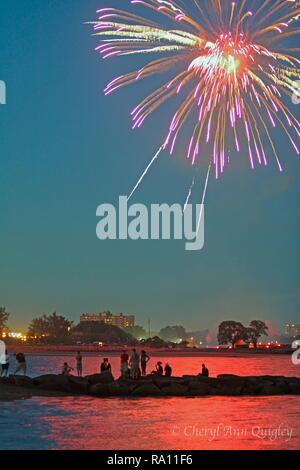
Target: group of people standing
132,366
135,366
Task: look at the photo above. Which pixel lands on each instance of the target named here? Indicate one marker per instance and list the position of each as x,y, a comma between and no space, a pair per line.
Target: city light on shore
15,335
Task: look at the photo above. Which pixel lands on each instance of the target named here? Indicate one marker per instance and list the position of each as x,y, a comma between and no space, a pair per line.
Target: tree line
4,316
56,328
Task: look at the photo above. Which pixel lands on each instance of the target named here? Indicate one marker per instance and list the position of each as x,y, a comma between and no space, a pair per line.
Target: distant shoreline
60,350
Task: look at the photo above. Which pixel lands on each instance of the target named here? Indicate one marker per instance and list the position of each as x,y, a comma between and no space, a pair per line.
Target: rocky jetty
104,385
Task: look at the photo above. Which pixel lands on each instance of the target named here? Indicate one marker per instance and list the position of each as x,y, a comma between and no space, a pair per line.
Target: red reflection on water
176,423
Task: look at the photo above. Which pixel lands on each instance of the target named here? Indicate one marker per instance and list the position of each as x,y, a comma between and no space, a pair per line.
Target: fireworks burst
235,64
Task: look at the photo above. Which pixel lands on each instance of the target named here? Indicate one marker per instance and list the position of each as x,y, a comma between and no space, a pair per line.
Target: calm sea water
158,424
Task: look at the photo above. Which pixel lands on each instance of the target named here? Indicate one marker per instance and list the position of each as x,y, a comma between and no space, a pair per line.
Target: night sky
65,149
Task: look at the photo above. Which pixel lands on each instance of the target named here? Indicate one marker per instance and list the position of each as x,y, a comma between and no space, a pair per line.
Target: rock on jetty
104,385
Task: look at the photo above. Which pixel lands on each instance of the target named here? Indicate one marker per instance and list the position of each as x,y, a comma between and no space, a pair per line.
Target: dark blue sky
65,148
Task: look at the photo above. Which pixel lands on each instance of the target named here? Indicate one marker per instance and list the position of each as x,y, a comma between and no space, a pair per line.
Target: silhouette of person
205,371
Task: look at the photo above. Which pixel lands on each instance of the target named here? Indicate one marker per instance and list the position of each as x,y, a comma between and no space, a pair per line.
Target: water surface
156,423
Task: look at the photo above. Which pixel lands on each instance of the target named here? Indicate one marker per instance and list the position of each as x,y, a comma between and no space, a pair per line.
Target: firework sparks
144,173
235,66
189,194
203,198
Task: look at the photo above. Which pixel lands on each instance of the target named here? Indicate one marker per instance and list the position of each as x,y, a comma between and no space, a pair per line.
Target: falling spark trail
189,194
204,197
144,174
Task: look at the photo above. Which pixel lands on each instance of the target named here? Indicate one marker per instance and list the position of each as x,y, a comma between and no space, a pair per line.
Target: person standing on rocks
135,364
205,371
168,370
145,358
79,364
5,365
124,364
105,366
21,363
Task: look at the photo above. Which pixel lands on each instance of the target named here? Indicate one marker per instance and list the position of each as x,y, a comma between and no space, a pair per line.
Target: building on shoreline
108,318
292,330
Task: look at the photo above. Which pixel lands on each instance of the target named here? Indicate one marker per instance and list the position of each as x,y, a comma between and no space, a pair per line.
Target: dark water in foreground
172,423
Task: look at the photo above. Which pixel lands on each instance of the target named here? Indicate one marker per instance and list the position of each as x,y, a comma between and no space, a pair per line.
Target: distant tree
199,337
55,328
256,329
4,315
38,327
230,332
155,342
173,333
251,336
138,332
92,332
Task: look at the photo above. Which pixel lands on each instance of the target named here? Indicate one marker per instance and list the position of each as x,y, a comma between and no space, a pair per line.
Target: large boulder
293,385
191,377
212,381
196,388
274,387
59,383
163,382
129,384
7,380
146,390
231,386
268,388
98,389
22,381
78,384
175,390
253,386
162,385
114,389
119,390
281,387
104,378
53,382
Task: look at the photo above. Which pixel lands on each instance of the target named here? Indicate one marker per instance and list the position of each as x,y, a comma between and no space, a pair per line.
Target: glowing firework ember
234,62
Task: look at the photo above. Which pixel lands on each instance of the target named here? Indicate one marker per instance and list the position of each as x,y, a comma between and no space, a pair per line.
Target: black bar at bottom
146,459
